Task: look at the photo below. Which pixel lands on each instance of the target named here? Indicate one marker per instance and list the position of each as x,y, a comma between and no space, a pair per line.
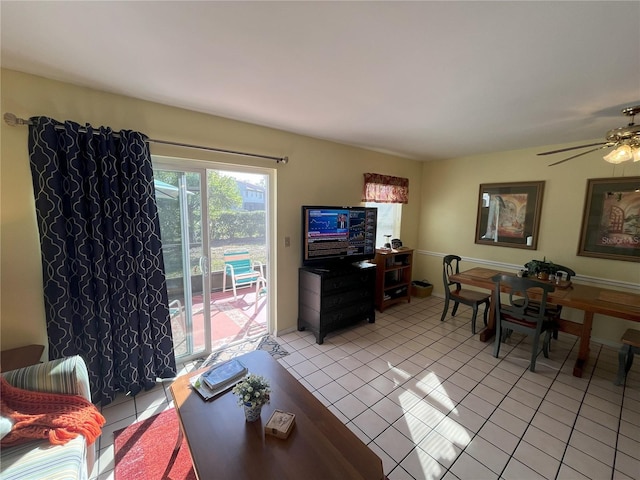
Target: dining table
589,299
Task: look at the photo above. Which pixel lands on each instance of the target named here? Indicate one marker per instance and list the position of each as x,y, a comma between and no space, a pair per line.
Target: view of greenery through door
235,217
231,224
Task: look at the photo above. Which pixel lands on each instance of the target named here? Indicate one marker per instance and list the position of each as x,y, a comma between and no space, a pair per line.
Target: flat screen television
333,235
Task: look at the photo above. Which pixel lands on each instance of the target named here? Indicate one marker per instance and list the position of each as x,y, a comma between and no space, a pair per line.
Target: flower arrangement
541,268
252,390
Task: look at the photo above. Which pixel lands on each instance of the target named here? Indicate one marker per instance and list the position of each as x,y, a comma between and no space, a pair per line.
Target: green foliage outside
223,193
230,228
173,255
237,224
224,198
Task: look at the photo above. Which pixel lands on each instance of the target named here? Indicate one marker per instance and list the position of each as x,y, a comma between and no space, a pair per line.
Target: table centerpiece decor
253,393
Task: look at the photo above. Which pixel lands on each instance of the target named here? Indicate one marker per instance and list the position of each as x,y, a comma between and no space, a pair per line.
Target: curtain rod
12,120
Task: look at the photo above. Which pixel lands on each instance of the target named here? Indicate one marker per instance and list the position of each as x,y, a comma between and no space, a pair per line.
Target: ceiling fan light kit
622,154
625,140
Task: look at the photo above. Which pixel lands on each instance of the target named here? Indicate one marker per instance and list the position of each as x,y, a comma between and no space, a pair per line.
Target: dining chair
471,298
516,314
553,310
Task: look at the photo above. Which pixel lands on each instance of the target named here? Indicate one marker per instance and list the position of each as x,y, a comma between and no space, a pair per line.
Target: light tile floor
431,400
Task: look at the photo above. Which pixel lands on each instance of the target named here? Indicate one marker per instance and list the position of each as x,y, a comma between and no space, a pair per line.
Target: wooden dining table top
605,301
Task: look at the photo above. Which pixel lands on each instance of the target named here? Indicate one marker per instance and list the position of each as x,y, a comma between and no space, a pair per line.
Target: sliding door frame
191,165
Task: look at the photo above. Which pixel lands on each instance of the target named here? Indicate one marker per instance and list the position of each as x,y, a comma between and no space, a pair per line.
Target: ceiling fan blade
573,148
579,154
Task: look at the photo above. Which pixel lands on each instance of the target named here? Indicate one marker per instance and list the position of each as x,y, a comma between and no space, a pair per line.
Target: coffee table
223,445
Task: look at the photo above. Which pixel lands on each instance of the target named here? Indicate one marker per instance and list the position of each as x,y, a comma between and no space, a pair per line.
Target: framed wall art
509,214
611,219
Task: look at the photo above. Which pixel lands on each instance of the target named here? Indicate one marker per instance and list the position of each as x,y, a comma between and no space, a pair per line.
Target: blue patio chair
242,271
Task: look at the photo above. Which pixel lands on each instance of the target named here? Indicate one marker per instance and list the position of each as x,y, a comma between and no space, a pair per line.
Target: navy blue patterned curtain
104,283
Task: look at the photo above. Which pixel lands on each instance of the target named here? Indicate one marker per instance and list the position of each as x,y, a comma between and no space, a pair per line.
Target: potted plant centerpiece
541,268
253,392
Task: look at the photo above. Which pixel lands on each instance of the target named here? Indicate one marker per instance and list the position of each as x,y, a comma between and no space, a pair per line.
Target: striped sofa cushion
42,461
66,375
39,459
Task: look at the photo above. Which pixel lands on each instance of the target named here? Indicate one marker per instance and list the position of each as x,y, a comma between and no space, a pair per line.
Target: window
389,219
387,194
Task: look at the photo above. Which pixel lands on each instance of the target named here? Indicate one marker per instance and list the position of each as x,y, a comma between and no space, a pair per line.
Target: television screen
338,234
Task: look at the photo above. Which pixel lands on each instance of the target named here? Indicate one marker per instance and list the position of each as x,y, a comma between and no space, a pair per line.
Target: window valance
385,189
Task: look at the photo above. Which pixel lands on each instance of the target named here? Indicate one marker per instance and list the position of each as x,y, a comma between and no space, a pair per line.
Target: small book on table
224,374
218,379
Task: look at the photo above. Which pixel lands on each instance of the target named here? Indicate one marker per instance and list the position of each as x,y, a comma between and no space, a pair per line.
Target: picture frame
611,219
509,214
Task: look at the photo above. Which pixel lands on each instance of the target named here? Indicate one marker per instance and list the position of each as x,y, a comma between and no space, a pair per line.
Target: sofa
39,459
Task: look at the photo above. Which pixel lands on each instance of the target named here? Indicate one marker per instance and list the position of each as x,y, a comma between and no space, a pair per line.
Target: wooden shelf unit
393,277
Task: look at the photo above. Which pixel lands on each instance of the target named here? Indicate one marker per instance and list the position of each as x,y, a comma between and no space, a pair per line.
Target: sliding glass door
207,216
182,216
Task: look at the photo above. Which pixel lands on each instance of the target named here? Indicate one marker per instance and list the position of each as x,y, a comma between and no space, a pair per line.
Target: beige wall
318,172
448,219
439,219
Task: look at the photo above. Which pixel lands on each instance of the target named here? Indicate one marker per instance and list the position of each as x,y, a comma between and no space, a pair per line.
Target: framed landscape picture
611,219
509,214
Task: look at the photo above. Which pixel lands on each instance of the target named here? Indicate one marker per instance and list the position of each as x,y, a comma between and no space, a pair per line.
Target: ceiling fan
626,141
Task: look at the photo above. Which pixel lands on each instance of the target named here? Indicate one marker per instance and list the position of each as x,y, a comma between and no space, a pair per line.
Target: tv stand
335,297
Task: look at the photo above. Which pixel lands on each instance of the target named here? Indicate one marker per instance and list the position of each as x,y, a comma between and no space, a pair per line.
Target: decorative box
280,424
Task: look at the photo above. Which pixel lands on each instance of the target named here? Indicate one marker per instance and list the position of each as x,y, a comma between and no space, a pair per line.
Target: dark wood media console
334,298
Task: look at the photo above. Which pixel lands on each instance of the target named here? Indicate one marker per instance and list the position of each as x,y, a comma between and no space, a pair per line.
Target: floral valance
385,189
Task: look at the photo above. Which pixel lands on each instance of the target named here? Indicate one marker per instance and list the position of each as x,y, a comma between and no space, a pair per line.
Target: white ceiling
425,80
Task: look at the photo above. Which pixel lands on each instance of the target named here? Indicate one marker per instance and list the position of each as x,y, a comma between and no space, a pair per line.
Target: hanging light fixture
619,155
625,139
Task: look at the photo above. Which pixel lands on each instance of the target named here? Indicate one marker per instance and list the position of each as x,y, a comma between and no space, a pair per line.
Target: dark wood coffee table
223,445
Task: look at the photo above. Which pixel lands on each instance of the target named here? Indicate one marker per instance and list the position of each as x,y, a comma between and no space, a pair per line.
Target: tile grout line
573,427
521,437
448,469
424,322
615,451
555,378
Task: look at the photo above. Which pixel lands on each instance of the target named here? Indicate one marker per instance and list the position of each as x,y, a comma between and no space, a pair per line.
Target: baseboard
284,331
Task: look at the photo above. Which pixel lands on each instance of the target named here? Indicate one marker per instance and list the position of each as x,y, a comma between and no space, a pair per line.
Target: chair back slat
240,261
451,264
230,257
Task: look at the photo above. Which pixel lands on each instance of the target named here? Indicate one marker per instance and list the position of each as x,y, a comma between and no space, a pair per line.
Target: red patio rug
144,450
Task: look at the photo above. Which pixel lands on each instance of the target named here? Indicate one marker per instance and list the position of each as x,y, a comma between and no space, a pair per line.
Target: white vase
252,413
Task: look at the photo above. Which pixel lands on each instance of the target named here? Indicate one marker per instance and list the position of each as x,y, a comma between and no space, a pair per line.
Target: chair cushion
547,324
519,321
44,461
470,296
